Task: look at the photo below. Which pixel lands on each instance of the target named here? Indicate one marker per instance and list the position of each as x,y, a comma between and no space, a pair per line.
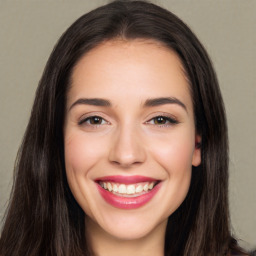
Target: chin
129,225
126,233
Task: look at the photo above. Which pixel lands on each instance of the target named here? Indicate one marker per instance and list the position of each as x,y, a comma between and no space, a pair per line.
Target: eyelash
83,121
171,121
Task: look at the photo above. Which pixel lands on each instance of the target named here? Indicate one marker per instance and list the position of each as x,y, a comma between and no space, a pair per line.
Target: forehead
134,69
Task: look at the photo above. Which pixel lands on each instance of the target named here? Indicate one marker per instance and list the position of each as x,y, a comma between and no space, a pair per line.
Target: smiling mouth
128,190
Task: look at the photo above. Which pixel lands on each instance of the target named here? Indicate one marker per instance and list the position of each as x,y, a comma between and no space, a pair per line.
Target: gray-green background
30,28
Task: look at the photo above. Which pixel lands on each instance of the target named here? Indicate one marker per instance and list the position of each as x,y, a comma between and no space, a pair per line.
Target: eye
93,120
162,121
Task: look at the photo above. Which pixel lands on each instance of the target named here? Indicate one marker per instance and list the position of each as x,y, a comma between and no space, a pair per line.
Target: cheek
175,151
174,155
82,152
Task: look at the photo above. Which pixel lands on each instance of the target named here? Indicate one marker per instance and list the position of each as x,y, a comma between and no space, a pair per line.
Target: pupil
160,120
96,120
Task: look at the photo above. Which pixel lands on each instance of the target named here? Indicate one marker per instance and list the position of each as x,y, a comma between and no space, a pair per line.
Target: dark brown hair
43,218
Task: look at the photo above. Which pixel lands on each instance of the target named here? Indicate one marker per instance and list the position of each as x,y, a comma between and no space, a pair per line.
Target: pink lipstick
127,192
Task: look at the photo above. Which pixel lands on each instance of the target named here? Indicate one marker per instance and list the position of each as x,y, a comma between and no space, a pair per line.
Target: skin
129,141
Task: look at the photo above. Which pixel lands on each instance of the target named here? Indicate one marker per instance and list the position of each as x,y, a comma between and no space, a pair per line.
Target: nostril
126,161
122,164
127,150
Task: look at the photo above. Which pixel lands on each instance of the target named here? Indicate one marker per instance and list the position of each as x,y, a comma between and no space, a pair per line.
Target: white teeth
130,189
109,186
139,189
151,185
145,187
115,188
122,189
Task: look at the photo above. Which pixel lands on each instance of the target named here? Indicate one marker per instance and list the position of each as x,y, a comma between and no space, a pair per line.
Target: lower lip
127,202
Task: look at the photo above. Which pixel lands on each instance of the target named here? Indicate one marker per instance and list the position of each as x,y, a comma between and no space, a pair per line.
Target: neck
104,244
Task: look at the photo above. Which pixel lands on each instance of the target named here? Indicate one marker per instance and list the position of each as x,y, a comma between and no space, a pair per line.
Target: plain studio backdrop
30,28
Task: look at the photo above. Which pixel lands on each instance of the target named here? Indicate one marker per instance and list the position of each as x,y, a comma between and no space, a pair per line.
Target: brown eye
162,121
93,120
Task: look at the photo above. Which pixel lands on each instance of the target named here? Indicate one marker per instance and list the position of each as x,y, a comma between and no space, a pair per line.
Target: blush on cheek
82,152
175,153
184,154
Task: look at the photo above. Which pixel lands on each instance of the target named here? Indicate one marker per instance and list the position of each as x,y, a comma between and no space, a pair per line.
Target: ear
196,160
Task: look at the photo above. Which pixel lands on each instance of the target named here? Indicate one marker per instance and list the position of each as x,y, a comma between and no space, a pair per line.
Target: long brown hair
43,218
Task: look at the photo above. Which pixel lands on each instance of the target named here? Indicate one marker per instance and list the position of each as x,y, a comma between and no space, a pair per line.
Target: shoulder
235,249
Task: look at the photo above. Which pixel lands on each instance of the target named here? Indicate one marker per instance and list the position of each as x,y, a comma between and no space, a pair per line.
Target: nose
127,148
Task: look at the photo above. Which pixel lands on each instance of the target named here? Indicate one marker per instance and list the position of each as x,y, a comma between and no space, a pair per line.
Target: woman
126,149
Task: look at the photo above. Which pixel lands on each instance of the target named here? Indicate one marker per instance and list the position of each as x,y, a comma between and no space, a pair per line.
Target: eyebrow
148,103
162,101
93,102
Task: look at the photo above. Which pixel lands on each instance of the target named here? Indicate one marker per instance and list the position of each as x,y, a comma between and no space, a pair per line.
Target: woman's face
129,137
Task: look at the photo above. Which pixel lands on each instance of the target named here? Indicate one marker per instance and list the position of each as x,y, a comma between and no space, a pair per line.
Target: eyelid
172,120
84,118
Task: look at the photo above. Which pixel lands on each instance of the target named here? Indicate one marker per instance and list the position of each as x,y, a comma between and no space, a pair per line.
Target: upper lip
125,179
